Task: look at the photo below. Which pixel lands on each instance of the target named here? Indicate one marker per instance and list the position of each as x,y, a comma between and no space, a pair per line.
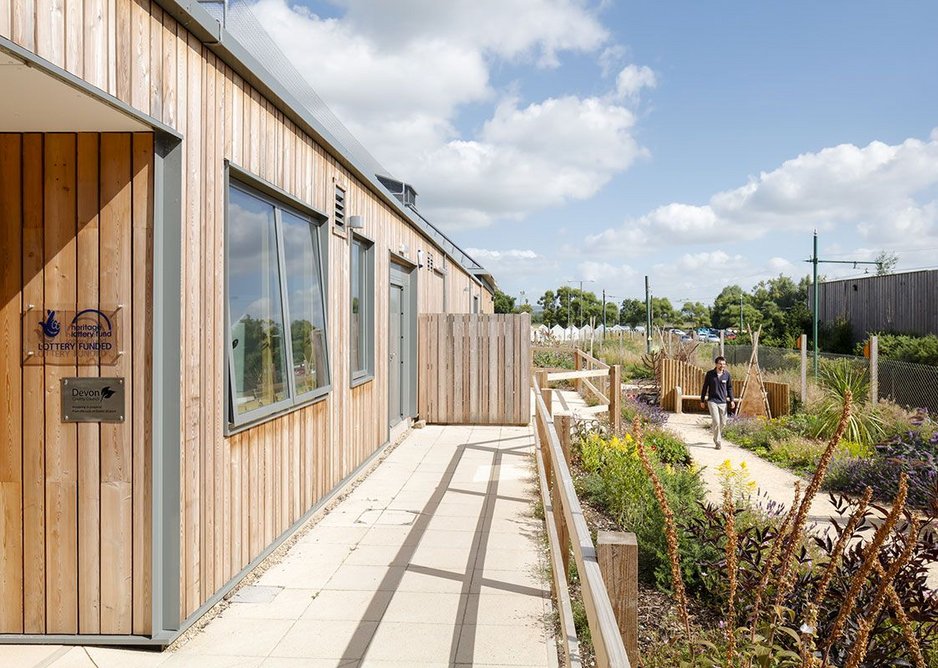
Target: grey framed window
277,351
362,310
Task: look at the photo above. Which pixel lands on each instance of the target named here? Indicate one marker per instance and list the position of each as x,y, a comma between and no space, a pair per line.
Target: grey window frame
367,342
280,200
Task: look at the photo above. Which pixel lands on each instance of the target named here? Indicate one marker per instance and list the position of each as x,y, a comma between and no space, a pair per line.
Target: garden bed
617,494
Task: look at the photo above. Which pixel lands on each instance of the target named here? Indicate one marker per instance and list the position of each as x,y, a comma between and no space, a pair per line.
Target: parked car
712,338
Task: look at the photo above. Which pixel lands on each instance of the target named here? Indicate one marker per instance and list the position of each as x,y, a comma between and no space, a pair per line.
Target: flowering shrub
613,481
736,481
644,409
915,453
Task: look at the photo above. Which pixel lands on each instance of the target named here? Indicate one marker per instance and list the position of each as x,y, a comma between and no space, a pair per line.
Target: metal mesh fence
909,385
912,385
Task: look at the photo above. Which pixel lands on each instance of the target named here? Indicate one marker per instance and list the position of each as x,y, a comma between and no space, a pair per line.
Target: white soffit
34,101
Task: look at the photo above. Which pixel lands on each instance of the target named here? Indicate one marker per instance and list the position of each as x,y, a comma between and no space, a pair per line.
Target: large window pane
254,304
356,331
304,303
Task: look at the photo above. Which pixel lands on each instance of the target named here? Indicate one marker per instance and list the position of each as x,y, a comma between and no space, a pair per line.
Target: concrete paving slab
393,576
326,639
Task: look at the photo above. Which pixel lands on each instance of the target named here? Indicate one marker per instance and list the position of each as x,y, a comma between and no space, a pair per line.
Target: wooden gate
474,369
75,505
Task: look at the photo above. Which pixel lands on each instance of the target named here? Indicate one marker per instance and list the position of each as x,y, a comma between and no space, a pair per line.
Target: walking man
716,393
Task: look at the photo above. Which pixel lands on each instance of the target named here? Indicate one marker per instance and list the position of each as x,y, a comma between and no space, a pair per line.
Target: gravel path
773,482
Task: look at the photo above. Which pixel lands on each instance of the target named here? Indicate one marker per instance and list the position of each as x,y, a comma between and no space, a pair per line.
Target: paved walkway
433,560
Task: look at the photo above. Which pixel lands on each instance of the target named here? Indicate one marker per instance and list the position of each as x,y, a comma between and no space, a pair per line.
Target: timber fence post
874,369
617,553
615,397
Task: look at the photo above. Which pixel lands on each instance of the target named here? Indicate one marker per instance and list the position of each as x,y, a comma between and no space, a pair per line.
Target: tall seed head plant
829,607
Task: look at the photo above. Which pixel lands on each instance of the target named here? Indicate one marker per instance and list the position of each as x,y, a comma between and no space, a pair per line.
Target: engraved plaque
86,337
92,399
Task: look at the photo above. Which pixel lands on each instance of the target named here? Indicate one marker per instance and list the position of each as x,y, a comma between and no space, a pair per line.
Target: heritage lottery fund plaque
92,399
85,337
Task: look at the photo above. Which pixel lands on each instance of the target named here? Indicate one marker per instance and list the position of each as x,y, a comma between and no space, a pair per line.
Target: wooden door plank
117,438
61,439
34,500
11,397
89,433
142,362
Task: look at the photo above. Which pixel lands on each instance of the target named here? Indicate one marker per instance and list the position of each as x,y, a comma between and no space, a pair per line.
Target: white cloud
484,254
715,261
886,193
604,273
526,158
510,29
632,79
398,75
779,264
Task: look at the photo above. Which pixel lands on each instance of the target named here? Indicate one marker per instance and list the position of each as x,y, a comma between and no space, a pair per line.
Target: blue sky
699,143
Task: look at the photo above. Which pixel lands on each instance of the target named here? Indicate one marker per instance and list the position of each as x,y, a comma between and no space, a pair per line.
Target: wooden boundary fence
675,373
474,369
608,571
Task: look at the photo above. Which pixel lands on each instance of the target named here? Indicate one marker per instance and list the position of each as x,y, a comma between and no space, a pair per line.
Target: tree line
779,305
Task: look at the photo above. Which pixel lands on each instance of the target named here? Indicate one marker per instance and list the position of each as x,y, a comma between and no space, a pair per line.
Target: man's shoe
719,445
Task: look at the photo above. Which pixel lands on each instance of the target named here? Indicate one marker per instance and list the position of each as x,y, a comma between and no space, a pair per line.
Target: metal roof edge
209,30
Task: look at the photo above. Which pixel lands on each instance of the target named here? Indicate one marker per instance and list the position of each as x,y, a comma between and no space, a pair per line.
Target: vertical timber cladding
237,493
75,499
474,369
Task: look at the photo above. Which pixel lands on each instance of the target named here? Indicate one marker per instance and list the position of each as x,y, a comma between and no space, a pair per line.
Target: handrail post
576,367
562,426
545,391
617,553
678,400
615,397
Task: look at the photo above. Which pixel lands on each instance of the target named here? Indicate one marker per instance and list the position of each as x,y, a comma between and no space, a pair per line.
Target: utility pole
647,316
605,296
817,295
604,314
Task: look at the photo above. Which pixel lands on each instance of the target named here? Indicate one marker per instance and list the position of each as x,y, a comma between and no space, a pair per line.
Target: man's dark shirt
719,388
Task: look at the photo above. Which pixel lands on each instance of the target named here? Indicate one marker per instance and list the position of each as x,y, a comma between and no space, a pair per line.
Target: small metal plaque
92,400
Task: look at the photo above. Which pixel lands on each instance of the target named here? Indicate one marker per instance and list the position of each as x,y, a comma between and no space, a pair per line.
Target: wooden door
75,503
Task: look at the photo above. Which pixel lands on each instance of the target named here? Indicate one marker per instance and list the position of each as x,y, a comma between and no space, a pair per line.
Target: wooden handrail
604,630
571,646
569,375
594,363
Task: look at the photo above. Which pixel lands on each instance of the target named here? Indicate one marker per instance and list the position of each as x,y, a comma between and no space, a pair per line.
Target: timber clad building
208,315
